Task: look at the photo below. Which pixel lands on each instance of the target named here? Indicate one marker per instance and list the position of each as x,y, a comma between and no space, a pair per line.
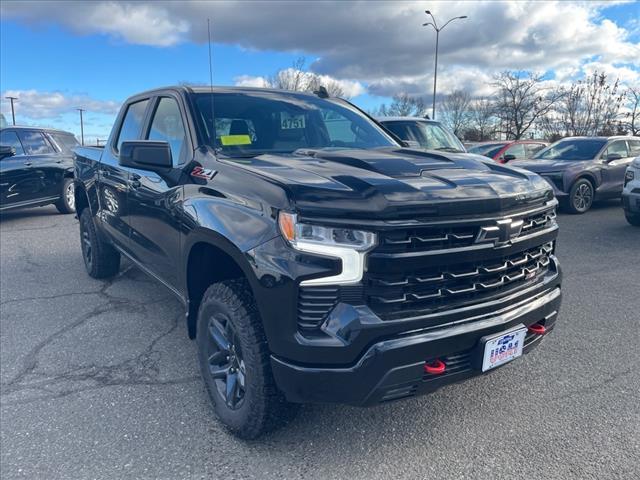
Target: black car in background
36,168
584,169
423,133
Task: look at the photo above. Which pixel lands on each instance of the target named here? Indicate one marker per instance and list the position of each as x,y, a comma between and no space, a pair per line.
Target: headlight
346,244
628,176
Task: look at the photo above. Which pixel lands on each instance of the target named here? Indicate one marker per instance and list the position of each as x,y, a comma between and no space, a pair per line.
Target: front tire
67,202
580,197
100,259
234,361
633,219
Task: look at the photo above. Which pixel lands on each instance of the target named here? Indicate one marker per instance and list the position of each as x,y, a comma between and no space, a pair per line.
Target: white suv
631,193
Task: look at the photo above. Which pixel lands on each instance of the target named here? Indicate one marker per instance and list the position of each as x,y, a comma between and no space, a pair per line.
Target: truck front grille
425,290
434,238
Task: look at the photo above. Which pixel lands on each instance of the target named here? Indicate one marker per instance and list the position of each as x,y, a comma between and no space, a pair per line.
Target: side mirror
508,158
6,151
612,156
145,155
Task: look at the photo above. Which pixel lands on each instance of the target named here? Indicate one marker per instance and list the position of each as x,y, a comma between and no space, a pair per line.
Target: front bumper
394,368
631,195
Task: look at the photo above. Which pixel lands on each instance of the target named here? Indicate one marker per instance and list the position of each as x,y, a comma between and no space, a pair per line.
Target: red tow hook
537,329
436,367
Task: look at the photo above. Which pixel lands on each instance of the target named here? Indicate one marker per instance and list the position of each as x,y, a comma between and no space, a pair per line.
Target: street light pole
434,24
13,112
81,126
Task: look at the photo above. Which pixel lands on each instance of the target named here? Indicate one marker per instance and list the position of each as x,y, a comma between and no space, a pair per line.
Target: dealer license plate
503,348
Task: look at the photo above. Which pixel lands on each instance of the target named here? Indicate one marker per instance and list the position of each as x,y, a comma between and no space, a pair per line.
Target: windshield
255,122
431,136
572,149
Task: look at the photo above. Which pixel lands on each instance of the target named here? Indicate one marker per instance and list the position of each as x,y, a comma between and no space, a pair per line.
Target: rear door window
634,148
10,139
131,128
34,143
618,147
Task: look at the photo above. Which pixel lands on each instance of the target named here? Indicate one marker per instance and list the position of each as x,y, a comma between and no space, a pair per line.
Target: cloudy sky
57,56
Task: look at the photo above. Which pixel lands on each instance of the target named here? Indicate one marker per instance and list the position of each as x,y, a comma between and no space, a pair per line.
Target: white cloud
379,43
37,105
250,81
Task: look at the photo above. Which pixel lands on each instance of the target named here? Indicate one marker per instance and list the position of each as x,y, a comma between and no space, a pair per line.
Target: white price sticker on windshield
291,122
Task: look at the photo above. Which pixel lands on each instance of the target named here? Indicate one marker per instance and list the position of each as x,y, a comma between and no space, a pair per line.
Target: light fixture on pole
13,112
81,126
434,24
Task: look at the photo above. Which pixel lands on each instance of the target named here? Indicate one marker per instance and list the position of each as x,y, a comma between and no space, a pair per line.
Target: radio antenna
213,118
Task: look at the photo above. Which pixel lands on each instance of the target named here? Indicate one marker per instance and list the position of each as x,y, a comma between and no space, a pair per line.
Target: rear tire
580,197
235,364
633,219
67,202
100,259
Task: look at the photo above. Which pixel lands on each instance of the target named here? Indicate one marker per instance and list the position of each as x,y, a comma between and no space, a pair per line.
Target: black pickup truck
318,258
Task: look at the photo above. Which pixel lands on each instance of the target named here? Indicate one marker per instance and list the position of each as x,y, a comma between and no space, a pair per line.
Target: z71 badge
206,173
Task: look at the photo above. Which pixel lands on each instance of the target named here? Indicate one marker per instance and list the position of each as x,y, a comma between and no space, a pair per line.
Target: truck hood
397,182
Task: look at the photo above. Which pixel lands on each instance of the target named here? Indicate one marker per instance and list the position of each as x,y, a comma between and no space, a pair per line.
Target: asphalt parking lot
99,380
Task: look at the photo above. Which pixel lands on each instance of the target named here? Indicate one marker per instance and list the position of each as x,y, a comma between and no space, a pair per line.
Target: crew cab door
13,171
154,199
616,160
113,178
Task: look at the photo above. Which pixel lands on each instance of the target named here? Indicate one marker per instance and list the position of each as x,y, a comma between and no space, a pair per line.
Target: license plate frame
502,348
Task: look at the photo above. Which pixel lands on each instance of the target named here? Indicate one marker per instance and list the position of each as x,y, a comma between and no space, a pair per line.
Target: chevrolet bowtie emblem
501,233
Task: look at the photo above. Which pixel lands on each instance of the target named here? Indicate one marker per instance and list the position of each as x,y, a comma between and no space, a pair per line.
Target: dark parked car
584,169
317,259
504,152
36,168
422,133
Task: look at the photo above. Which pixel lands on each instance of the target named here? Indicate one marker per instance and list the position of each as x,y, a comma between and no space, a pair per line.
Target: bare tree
521,101
299,79
631,117
483,120
591,106
456,111
403,105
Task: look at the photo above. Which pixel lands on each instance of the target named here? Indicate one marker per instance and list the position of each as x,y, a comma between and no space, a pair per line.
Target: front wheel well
206,265
82,201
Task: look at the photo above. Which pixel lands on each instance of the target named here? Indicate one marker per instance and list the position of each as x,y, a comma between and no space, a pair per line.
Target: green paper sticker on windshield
231,140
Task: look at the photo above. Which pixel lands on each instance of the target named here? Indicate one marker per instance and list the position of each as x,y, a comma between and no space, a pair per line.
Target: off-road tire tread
269,409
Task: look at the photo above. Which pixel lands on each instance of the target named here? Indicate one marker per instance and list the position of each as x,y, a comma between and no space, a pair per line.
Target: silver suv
631,193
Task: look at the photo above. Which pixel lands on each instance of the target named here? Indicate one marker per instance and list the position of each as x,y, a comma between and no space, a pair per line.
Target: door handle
28,164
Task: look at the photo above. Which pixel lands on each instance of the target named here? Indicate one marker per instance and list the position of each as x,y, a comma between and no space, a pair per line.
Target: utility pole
13,112
435,70
81,126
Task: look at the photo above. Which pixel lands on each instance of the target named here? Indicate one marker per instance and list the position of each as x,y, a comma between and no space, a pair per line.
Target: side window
10,139
618,147
634,148
34,142
132,123
167,126
533,148
517,151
